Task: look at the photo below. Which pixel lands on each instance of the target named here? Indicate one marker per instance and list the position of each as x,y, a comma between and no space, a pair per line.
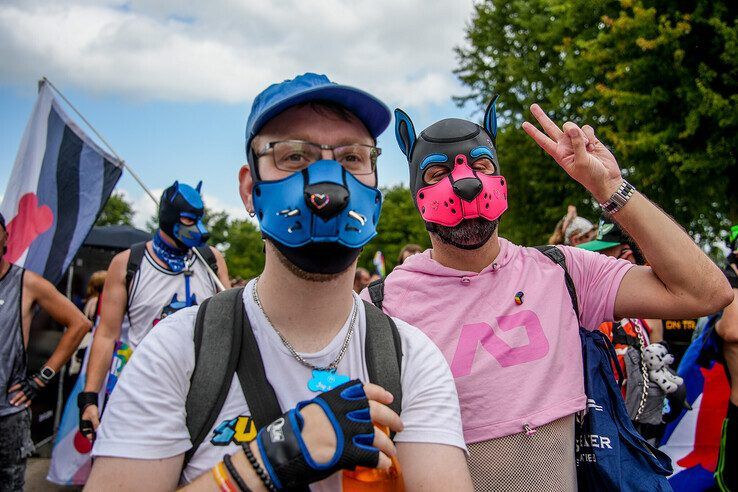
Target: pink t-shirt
515,365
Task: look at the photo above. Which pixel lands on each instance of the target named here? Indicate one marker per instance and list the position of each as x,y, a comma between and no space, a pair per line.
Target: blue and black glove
285,454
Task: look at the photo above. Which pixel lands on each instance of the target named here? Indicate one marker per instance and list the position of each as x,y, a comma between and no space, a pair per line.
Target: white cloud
215,204
143,206
228,51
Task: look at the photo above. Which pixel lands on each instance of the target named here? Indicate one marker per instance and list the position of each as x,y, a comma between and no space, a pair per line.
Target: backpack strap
383,350
134,262
557,256
376,292
383,353
209,257
216,333
258,392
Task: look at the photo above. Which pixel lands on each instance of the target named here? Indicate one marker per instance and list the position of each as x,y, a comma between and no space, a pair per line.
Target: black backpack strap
376,292
383,350
259,394
209,257
134,262
557,256
217,333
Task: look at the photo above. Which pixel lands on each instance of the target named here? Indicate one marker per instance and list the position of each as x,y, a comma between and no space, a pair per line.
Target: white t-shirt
145,418
157,293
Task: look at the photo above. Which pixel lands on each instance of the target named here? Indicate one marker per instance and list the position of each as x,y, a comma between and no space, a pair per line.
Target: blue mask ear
175,190
490,118
404,132
199,185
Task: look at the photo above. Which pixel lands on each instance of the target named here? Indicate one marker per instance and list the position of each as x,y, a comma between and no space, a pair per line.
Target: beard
468,234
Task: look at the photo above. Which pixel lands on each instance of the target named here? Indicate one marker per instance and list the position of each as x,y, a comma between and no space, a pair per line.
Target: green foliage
656,79
399,224
117,211
245,252
217,223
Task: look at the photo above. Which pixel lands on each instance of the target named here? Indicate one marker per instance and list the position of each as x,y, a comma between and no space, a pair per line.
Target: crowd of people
460,370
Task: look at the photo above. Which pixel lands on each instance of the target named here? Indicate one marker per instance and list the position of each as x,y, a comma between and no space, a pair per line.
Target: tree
245,253
399,224
656,79
117,211
217,223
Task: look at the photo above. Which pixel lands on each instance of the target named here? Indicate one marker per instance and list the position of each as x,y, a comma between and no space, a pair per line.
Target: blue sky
170,86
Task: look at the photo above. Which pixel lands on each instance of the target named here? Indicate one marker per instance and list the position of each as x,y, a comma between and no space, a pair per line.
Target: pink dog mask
471,185
463,194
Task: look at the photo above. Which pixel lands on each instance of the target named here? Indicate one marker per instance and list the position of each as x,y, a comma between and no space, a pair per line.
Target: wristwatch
46,374
619,198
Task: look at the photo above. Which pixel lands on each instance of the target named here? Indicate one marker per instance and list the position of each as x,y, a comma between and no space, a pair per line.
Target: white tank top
157,292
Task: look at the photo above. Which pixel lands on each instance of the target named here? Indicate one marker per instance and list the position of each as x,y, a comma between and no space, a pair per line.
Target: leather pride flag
60,182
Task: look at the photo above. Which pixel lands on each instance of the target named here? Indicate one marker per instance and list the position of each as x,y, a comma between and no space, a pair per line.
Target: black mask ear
490,119
404,132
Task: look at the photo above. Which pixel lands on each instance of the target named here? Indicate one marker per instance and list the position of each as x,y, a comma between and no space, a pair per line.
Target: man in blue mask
144,285
311,182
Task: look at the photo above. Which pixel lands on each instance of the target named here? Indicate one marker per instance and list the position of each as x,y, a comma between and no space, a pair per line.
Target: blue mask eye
480,151
433,159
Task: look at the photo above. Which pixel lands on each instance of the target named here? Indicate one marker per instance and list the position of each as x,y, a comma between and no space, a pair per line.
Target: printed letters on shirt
239,430
475,334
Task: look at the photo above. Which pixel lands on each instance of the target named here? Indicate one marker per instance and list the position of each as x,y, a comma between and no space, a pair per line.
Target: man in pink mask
501,313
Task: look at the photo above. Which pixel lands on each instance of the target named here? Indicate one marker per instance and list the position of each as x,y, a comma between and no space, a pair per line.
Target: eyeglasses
296,155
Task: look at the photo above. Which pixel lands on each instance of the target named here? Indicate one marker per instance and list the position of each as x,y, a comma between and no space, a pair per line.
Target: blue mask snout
324,203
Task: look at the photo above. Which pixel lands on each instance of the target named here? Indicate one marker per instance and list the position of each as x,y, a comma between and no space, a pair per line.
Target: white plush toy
657,360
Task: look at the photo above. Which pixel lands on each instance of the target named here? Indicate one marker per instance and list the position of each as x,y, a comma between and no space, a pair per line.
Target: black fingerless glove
285,454
84,400
30,387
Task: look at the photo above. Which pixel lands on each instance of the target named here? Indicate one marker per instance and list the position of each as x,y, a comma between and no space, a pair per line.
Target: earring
252,213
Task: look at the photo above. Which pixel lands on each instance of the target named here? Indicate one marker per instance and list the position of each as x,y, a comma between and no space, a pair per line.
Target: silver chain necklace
330,367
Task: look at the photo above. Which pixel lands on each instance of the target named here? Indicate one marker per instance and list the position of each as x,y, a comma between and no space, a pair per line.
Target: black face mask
323,258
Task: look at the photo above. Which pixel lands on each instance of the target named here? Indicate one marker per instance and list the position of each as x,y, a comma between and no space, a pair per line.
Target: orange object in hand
364,479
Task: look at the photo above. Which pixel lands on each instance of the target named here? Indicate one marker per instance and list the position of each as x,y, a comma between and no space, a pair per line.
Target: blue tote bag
610,453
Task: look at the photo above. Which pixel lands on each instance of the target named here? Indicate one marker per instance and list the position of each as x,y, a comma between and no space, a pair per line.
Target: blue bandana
170,255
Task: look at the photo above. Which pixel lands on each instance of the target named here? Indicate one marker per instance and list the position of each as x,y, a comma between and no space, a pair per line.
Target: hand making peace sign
579,153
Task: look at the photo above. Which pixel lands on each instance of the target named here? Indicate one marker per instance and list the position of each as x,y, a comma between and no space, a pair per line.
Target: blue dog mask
181,200
323,203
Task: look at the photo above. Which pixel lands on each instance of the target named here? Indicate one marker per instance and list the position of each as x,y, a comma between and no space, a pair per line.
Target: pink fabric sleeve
597,278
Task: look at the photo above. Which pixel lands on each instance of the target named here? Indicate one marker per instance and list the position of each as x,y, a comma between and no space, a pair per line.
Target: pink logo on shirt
481,333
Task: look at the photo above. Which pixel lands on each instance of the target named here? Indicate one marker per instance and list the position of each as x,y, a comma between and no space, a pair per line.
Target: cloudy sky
169,83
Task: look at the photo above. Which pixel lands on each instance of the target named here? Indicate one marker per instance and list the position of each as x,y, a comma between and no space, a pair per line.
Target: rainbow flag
71,460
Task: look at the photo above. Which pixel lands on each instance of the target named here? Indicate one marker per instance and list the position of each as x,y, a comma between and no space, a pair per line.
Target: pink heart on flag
29,223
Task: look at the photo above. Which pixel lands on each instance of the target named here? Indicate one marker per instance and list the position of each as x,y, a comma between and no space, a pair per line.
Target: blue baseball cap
315,87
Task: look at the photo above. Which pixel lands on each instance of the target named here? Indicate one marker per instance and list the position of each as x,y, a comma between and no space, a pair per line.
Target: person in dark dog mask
144,285
501,313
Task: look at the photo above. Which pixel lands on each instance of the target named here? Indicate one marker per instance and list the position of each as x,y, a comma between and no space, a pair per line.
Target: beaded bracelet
221,478
236,477
258,469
